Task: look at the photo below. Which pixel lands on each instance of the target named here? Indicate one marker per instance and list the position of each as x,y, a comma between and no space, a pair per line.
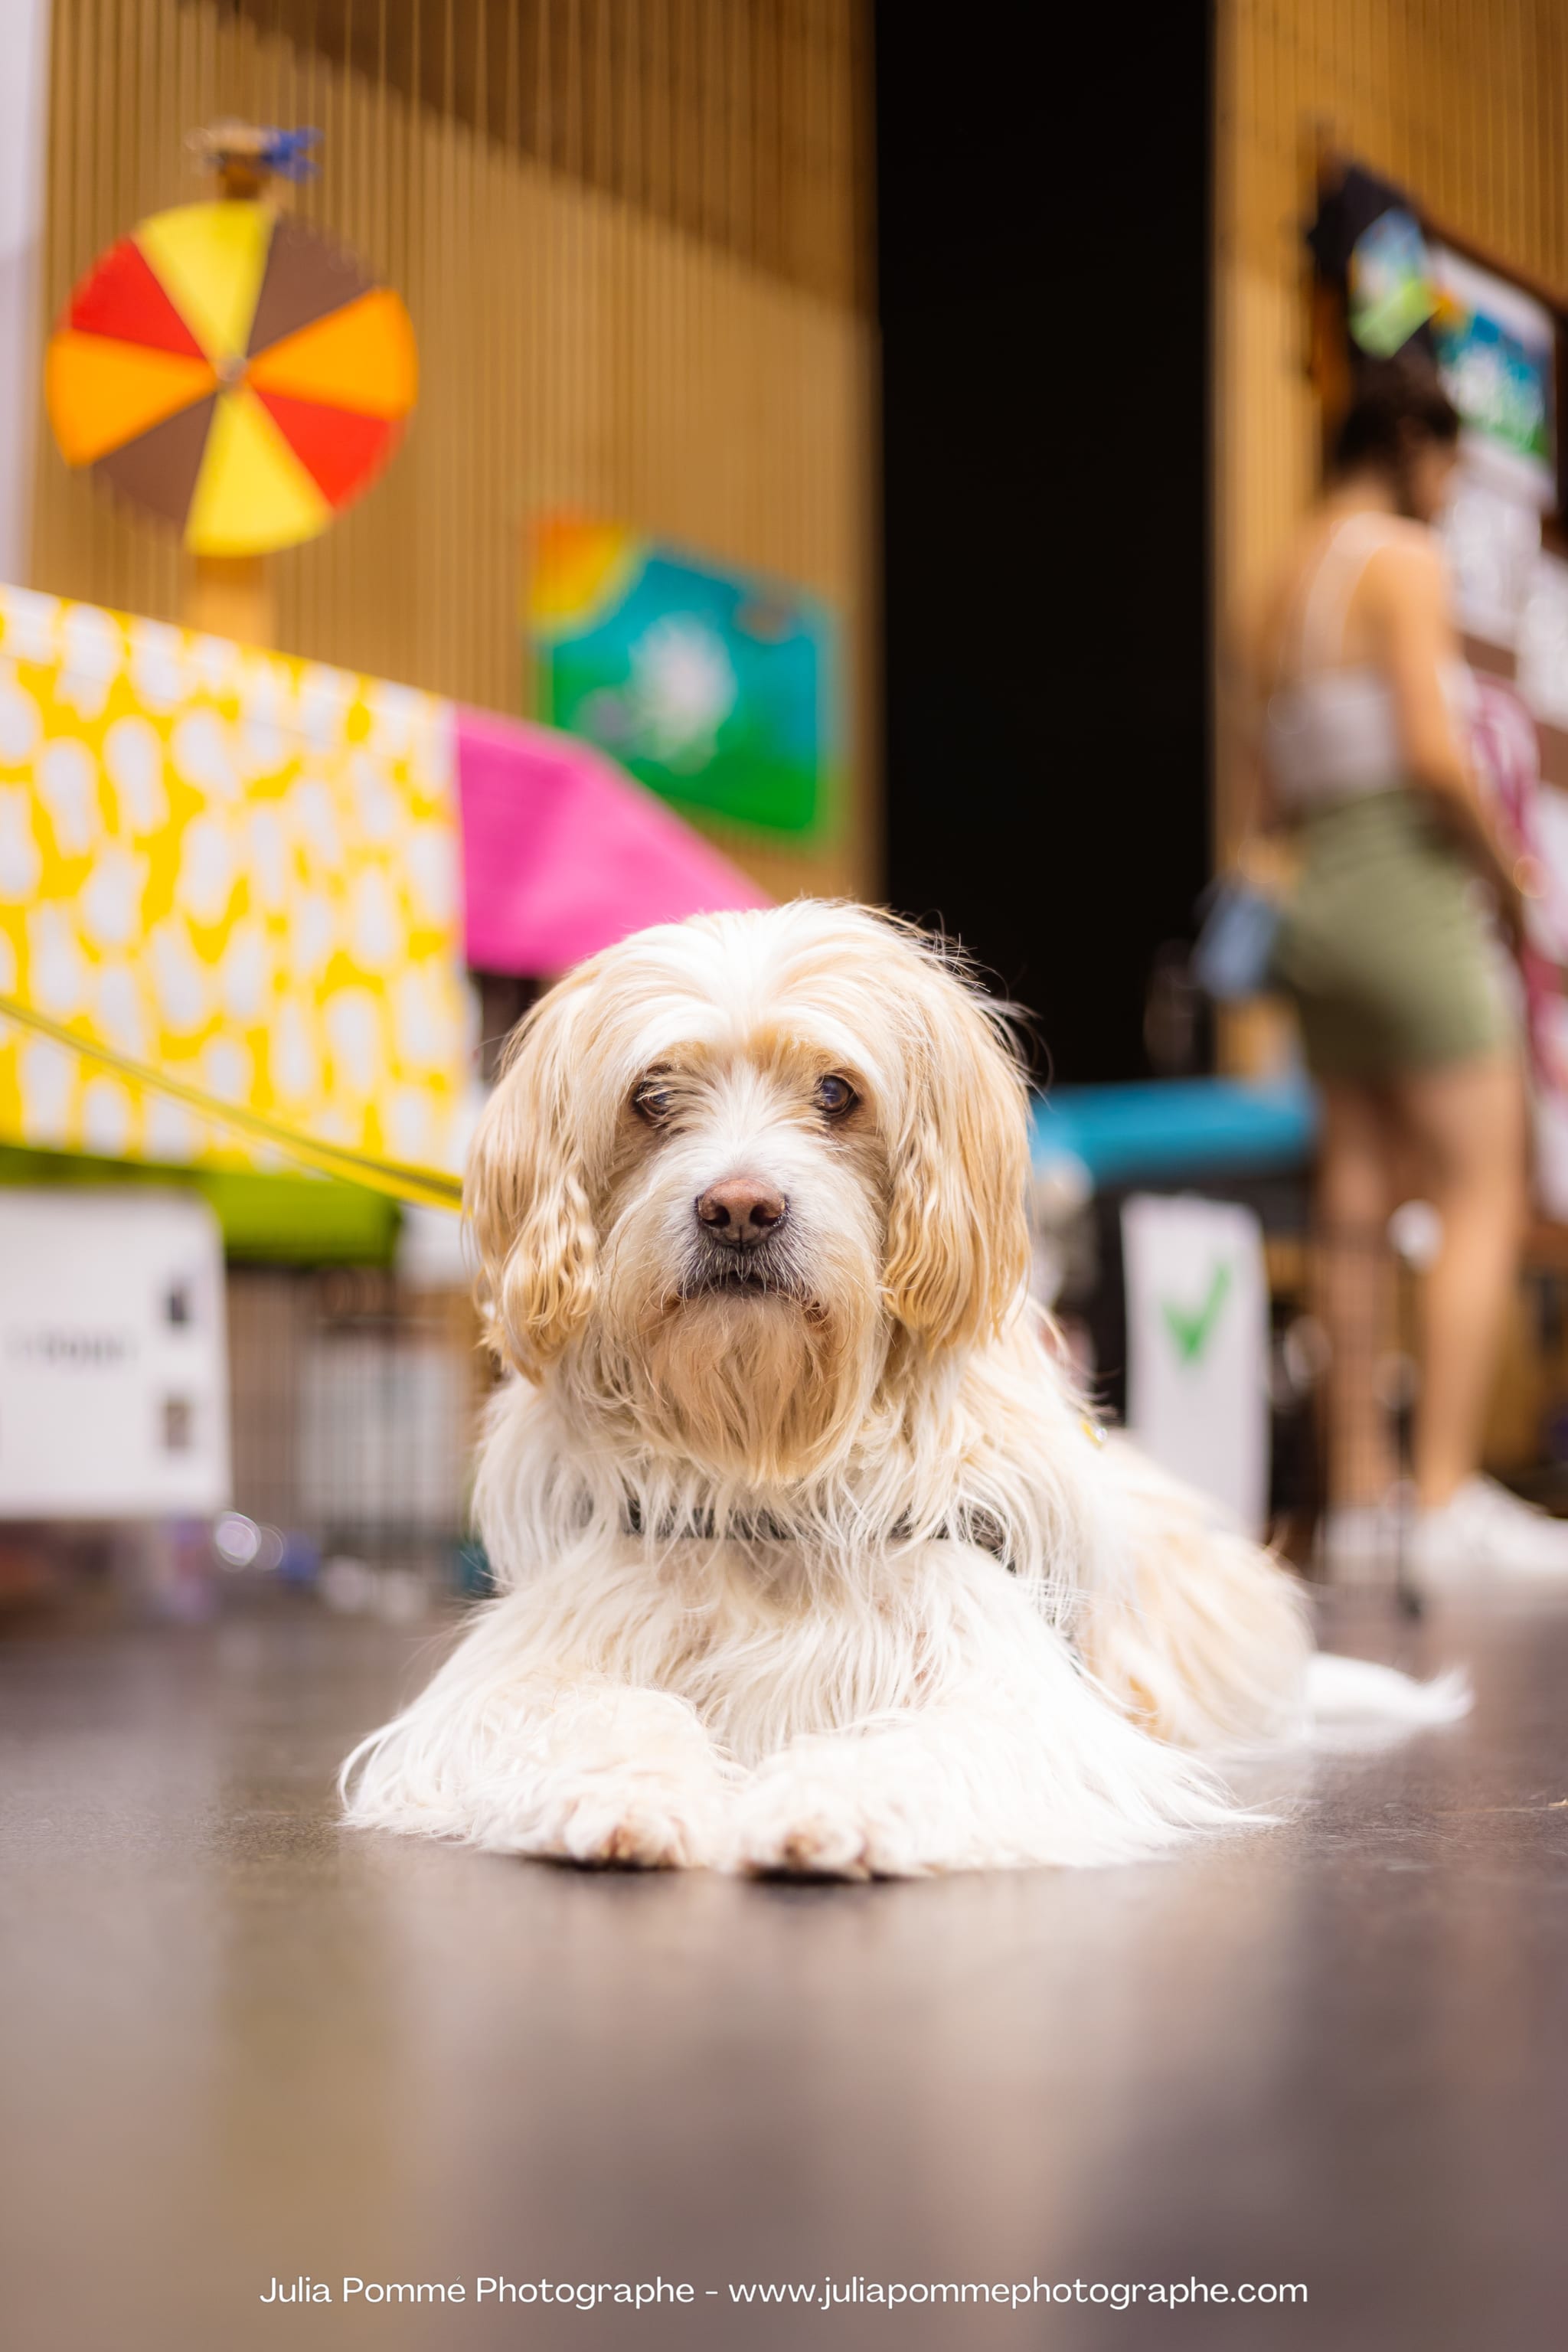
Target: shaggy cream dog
810,1558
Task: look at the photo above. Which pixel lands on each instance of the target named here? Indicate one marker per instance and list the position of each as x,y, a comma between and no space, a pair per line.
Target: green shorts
1390,958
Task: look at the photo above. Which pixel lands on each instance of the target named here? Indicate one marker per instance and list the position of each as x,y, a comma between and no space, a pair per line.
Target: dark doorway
1044,272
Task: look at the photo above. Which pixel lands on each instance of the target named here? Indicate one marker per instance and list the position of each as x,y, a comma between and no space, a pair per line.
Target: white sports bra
1332,731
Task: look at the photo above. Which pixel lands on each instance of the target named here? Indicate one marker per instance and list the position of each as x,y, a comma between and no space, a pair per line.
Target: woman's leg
1354,1287
1468,1126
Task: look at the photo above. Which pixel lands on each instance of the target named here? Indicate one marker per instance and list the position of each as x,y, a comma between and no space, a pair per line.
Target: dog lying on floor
810,1558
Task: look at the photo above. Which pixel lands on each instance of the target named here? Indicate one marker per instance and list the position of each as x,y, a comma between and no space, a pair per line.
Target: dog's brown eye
653,1101
835,1096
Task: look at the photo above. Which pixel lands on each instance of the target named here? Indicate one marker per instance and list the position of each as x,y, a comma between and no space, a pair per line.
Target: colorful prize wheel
227,368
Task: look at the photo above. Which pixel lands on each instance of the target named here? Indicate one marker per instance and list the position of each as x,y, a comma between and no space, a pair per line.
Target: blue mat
1177,1126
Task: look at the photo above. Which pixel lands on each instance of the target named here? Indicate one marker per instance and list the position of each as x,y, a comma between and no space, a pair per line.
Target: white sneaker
1483,1534
1358,1543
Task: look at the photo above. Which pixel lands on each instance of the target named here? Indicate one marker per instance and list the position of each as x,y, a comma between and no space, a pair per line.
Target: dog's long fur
827,1571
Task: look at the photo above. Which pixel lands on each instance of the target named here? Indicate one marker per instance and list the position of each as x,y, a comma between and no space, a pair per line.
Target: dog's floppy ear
525,1195
958,1233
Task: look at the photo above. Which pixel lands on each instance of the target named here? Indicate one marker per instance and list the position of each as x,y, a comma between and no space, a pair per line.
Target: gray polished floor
241,2045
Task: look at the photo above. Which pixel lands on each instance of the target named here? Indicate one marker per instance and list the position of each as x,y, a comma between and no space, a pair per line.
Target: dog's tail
1349,1699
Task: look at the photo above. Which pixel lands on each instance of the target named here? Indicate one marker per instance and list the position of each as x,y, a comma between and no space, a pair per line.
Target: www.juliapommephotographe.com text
641,2295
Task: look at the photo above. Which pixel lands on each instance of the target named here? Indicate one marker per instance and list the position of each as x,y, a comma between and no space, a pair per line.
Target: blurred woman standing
1408,1003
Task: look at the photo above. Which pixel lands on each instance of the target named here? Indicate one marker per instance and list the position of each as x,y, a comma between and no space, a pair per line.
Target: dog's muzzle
742,1213
742,1241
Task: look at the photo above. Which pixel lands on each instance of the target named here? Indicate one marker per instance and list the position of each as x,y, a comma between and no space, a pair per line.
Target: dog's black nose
741,1212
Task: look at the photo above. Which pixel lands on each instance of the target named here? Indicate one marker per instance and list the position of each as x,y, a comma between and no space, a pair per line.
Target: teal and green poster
715,688
1496,349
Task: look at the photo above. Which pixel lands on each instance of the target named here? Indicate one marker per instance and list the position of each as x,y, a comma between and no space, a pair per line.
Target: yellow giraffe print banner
237,870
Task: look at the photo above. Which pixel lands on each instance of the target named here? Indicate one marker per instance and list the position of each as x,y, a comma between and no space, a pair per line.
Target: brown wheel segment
306,276
159,468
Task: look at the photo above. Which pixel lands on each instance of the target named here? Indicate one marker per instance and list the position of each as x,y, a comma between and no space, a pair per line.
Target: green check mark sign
1191,1330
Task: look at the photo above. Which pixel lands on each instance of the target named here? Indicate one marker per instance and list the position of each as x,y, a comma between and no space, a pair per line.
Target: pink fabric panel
562,853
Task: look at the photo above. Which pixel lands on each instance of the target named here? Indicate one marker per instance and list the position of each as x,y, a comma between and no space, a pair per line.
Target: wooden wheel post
231,597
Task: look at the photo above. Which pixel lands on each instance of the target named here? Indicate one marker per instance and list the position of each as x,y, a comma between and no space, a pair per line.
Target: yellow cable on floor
428,1188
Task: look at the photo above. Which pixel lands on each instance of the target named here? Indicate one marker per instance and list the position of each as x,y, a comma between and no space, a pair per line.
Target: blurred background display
885,514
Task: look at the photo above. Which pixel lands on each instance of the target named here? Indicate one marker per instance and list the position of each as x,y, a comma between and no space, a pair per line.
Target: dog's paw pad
636,1842
646,1832
816,1850
790,1834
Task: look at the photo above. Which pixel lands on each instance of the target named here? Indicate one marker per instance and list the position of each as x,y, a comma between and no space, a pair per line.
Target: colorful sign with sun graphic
232,371
715,688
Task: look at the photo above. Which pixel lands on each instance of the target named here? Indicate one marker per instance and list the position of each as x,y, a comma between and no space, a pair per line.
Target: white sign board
1493,544
113,1388
1543,643
1197,1346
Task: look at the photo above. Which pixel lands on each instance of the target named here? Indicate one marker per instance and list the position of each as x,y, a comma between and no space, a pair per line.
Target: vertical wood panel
633,236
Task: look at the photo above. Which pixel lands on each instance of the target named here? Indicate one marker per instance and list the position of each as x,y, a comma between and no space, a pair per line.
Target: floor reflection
257,2047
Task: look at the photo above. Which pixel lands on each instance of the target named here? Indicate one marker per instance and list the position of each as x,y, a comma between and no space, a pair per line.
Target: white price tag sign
1197,1346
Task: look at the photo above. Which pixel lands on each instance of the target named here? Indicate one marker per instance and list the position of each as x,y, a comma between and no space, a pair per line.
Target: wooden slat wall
1463,101
633,238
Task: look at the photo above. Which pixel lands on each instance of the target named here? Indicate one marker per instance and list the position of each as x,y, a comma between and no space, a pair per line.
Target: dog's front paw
608,1775
648,1819
650,1825
810,1824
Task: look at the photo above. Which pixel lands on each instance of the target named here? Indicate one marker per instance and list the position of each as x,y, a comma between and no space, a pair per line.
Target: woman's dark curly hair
1397,404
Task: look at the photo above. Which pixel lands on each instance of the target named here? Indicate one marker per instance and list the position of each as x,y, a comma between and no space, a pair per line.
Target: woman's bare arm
1256,812
1407,591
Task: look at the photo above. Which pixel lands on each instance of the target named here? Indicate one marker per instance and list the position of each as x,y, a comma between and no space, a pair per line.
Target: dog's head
732,1164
